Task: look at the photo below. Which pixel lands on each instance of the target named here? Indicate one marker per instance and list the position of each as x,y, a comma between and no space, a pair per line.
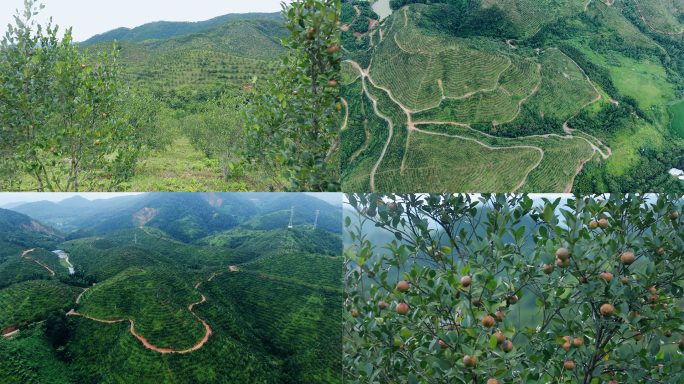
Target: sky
30,197
89,18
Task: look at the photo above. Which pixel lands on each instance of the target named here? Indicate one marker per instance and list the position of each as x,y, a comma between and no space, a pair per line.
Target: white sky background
30,197
92,17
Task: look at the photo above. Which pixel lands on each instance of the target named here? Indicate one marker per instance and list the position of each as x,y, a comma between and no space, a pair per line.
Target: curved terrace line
650,26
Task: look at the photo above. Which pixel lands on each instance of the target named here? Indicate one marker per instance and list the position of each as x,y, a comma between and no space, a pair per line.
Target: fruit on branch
513,299
548,269
583,279
393,206
469,361
667,333
402,308
603,223
606,276
500,338
492,381
488,321
674,215
625,280
403,286
499,315
507,346
562,253
566,346
653,290
661,251
466,281
653,299
569,365
637,335
593,224
355,313
371,212
577,342
333,48
627,258
382,304
681,345
563,263
477,302
607,310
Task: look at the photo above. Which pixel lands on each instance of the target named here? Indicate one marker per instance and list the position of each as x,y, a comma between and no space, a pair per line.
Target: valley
195,287
476,98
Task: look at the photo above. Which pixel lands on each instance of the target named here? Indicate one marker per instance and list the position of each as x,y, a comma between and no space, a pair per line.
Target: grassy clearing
181,168
677,111
627,144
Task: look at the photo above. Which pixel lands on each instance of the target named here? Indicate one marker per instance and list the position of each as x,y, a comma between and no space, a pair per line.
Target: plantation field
677,111
39,263
530,15
661,15
33,300
318,270
155,299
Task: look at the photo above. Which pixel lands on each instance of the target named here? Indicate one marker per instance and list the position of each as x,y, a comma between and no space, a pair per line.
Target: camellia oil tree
505,289
292,128
61,122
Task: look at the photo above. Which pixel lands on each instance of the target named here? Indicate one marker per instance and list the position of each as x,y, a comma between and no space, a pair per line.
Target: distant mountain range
167,29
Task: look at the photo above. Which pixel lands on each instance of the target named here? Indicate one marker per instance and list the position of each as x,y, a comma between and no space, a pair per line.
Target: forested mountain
243,305
510,95
167,29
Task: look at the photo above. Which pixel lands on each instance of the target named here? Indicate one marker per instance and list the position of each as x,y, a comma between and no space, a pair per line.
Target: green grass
677,111
34,300
181,168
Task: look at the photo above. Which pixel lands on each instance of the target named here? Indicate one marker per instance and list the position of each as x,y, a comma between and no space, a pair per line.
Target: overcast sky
92,17
29,197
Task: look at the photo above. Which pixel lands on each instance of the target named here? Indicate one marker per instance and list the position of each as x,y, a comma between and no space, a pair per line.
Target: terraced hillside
525,96
237,306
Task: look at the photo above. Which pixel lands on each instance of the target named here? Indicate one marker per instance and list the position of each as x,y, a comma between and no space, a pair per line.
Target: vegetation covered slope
242,305
168,29
508,81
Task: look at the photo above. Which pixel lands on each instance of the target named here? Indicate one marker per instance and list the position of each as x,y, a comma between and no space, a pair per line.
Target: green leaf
492,342
465,270
471,332
501,372
412,379
445,249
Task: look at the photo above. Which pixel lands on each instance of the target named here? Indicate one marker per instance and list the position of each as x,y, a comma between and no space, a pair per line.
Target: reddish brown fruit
563,263
637,335
500,315
667,333
653,299
333,48
295,93
569,365
466,281
500,338
566,346
393,206
109,176
593,224
332,83
52,149
338,22
681,344
104,114
613,382
97,142
402,308
627,258
625,280
492,381
606,276
507,346
513,299
563,253
355,313
403,286
603,223
548,269
443,345
583,279
469,361
661,251
83,66
488,321
674,215
653,290
477,302
577,342
382,304
607,310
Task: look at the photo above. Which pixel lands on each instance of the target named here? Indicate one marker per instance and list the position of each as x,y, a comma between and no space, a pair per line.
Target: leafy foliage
464,258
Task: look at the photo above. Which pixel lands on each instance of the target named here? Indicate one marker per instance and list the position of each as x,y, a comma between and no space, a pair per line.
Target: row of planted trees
68,124
505,289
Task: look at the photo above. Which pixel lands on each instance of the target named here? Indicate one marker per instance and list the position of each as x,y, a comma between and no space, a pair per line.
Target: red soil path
41,264
147,343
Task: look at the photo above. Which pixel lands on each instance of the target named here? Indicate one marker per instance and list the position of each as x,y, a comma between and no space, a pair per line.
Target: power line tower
291,217
316,221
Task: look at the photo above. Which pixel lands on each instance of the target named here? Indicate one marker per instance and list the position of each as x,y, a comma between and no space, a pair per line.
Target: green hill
32,301
37,264
503,95
167,29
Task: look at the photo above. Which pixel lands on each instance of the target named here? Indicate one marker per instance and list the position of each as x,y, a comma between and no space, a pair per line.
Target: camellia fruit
97,142
681,345
653,290
513,299
403,286
52,149
637,335
563,263
569,365
500,338
333,48
577,342
104,114
382,304
469,361
477,302
355,313
661,251
593,224
332,83
566,346
653,299
674,215
83,66
402,308
442,344
612,382
603,223
507,346
466,281
109,176
492,381
393,206
625,280
607,310
295,93
563,253
606,276
488,321
500,315
370,212
667,333
338,22
627,258
548,269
